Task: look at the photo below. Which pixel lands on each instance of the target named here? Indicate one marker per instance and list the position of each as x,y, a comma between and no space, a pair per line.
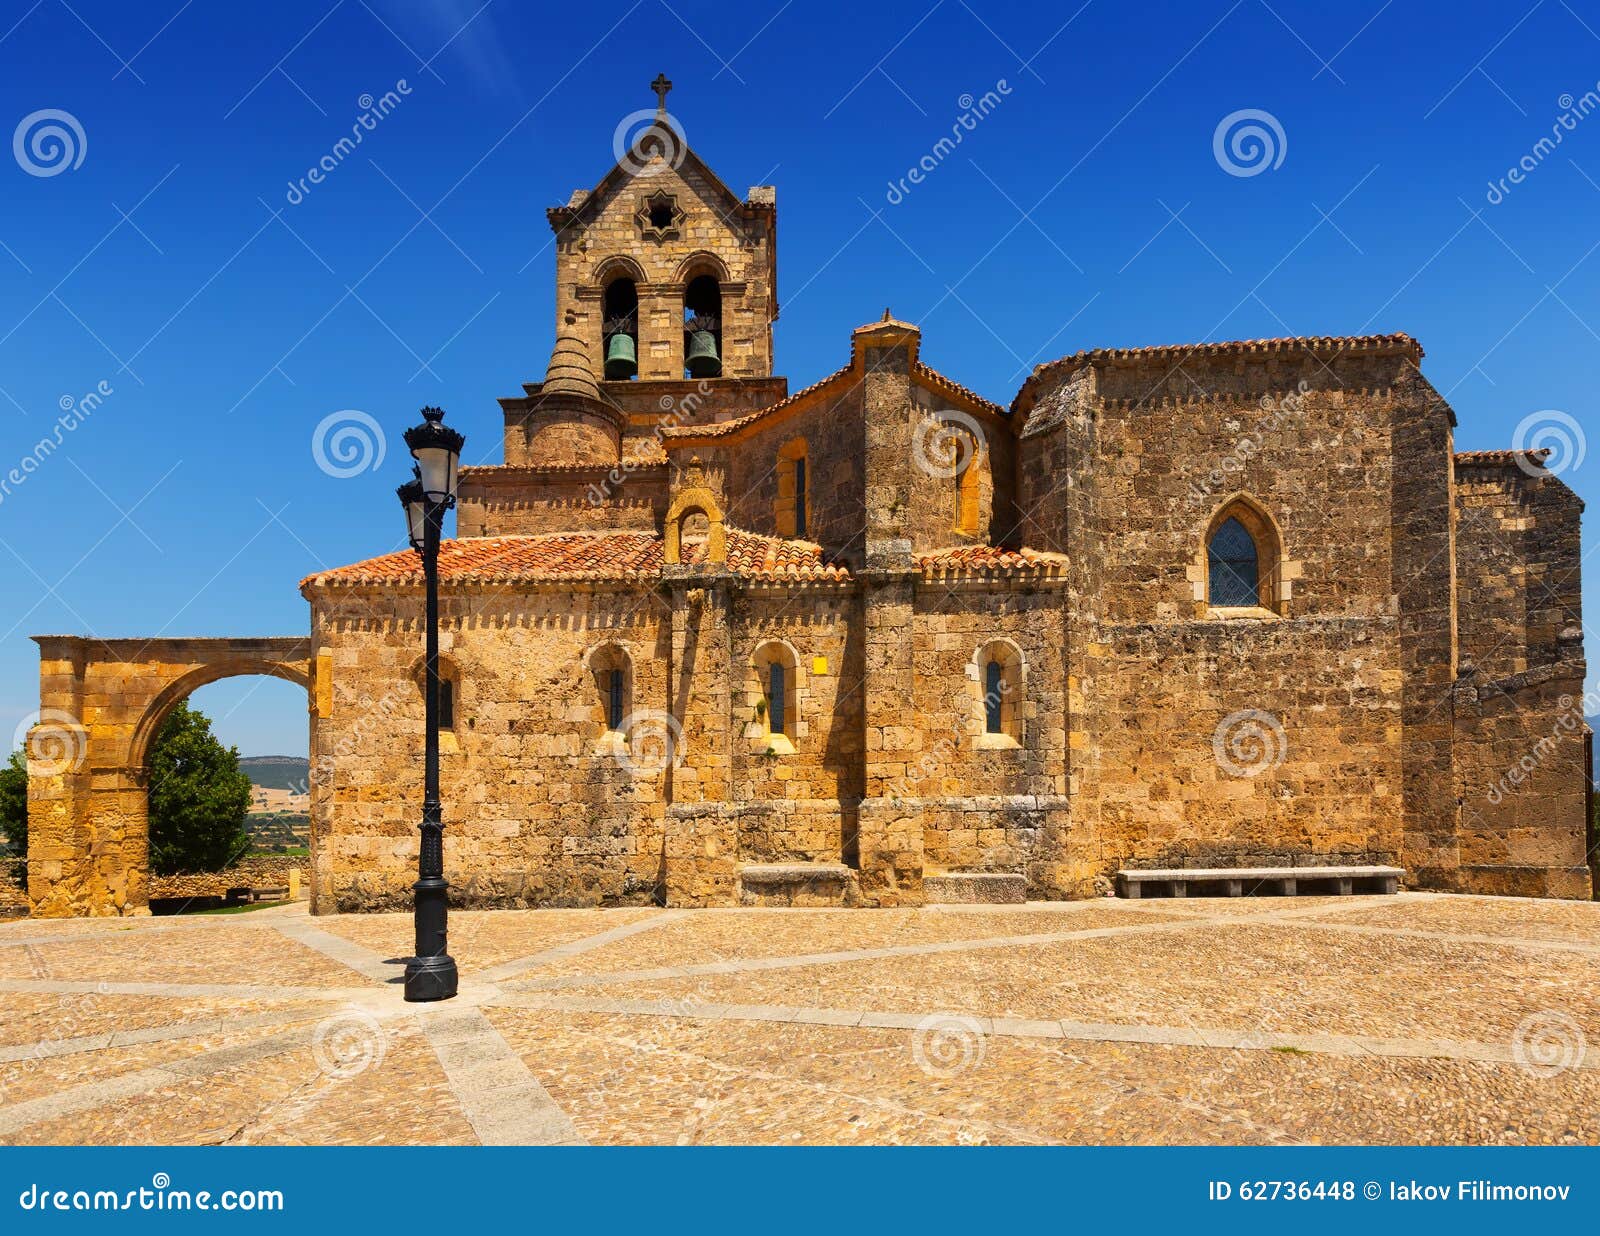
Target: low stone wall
265,870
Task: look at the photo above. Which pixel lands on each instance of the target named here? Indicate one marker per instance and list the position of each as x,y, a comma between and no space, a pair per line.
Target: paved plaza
1417,1018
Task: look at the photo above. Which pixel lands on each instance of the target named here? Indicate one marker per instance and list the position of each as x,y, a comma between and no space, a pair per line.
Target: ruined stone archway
101,703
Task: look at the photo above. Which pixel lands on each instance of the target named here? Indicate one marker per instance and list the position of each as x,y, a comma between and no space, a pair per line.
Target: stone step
994,888
797,884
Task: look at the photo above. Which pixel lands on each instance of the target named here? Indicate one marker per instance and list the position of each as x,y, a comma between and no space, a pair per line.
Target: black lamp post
431,974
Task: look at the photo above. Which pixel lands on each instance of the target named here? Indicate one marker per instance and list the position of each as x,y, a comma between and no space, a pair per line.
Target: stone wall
715,233
531,501
541,810
1518,706
1230,741
257,871
831,429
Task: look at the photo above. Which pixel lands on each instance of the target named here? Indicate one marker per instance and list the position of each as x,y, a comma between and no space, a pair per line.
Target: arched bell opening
702,327
620,329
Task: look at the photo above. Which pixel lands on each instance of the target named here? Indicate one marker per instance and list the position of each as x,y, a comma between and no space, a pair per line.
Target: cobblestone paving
1415,1018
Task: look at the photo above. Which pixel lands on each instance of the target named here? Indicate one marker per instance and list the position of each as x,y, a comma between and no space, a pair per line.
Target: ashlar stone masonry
711,642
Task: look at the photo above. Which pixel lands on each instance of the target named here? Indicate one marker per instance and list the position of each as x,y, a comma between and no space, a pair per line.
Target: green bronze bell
622,361
703,359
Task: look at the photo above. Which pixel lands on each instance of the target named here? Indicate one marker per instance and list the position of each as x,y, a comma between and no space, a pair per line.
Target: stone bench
796,884
270,892
1233,879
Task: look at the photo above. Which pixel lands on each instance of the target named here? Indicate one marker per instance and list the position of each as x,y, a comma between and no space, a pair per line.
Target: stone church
881,641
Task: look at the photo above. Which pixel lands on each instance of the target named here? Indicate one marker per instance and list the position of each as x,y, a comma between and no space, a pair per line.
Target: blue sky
1088,208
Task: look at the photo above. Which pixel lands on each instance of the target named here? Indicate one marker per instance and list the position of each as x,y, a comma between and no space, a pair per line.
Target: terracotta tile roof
578,556
693,433
503,559
1235,347
1502,457
770,557
939,382
651,457
988,560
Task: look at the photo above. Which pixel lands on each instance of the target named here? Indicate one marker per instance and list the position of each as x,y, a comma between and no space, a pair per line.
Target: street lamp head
415,501
437,451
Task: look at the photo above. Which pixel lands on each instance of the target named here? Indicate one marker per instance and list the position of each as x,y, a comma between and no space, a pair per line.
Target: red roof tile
988,560
686,434
576,556
1502,457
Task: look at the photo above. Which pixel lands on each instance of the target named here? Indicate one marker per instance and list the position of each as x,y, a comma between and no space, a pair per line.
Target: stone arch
1011,703
701,262
695,500
620,265
760,729
88,817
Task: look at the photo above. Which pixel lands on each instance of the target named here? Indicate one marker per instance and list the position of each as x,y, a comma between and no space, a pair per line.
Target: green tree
198,798
14,803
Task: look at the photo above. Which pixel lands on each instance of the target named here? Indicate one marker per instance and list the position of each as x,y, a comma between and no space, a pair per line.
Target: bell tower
663,273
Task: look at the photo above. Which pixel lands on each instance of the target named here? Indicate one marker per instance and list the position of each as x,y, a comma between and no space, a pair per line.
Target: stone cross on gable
661,85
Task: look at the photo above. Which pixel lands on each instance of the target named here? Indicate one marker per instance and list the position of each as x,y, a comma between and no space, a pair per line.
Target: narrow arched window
620,330
447,704
993,694
702,327
800,496
1234,567
777,692
968,484
614,699
791,509
612,676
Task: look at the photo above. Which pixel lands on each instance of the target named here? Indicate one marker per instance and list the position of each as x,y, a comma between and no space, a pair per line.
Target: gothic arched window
1233,566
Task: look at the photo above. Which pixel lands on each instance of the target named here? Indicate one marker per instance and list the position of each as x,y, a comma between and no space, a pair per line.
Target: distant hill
1594,772
277,772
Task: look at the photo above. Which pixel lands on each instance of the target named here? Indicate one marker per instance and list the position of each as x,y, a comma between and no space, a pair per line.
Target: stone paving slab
1414,1018
1231,975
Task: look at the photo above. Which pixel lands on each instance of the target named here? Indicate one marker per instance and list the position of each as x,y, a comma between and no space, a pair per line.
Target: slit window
614,700
800,496
776,692
447,704
993,694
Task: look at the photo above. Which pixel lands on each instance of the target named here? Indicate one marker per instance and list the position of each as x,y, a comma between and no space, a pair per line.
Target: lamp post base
430,978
